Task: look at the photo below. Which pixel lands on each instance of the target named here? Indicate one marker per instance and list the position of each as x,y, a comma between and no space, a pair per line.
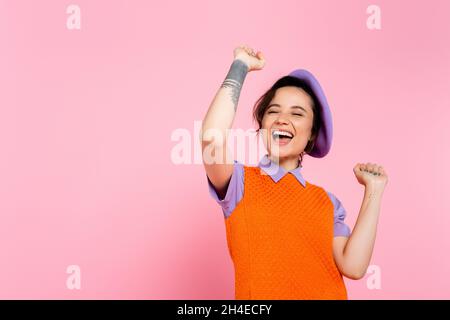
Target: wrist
239,62
373,189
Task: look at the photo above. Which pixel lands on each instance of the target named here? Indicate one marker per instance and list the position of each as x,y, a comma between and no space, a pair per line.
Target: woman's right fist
254,61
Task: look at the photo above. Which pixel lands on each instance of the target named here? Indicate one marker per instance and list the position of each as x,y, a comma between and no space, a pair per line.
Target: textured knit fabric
235,192
280,239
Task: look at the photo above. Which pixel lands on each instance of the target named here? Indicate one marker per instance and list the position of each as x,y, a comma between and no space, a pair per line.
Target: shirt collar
276,172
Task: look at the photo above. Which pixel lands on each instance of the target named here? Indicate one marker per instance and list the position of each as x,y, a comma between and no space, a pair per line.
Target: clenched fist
371,174
254,61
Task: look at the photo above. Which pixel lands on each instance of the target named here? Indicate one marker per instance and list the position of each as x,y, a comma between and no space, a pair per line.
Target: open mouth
282,137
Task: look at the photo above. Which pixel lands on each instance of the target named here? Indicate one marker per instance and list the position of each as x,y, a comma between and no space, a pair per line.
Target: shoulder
332,196
248,170
323,193
316,188
339,210
340,227
238,171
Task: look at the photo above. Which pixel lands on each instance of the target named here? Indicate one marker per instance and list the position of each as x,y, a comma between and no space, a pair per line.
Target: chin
286,153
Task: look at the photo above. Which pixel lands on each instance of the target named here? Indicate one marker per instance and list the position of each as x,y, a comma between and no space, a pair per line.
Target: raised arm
353,254
220,115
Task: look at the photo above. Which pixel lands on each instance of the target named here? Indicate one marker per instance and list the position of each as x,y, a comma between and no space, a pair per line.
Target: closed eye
295,114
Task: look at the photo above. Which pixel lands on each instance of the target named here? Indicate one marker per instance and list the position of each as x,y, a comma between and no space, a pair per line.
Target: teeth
282,133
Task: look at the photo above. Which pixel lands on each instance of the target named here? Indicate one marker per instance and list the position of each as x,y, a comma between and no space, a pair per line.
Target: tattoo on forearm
372,194
235,79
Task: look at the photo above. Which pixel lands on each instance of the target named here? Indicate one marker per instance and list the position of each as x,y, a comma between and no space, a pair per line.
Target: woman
287,237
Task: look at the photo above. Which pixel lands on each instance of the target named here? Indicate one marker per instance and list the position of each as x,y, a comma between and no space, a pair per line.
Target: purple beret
323,140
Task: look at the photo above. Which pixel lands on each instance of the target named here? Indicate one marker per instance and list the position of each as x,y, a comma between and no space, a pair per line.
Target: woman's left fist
371,175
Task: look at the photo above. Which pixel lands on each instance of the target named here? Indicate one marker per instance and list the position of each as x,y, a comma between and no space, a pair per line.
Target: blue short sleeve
235,190
341,229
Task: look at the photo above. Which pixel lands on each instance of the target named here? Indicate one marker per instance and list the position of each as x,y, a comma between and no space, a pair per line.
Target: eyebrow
277,105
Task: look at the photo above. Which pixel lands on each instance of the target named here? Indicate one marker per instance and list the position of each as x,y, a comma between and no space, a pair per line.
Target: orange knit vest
280,238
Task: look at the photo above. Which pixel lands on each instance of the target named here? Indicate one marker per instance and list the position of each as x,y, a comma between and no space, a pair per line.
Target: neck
287,163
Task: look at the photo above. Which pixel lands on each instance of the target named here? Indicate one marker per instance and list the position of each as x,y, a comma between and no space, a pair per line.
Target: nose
281,119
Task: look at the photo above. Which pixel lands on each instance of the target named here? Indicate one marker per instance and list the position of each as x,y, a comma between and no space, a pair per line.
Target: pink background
86,118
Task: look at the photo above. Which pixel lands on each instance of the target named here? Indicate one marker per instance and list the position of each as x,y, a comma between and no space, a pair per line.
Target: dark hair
263,102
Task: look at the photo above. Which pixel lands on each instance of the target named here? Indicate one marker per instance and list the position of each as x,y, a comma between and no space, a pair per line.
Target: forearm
220,115
359,247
